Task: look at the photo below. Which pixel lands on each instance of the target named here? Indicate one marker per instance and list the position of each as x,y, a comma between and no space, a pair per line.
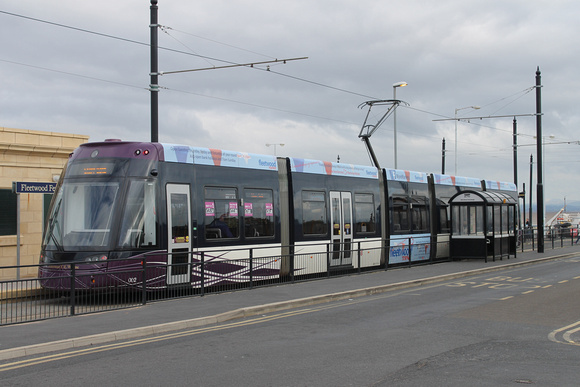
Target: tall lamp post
456,110
274,145
395,85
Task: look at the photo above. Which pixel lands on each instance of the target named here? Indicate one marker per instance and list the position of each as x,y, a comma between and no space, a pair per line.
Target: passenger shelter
483,225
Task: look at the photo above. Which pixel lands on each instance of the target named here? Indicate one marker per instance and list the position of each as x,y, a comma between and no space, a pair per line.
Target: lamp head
400,84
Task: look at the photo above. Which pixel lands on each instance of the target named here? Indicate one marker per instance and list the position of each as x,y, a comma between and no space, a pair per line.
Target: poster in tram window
248,210
269,209
209,209
233,209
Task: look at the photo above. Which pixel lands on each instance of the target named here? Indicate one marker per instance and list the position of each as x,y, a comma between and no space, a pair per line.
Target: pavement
165,316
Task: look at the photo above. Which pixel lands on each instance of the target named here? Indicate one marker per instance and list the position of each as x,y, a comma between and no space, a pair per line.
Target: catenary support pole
531,196
516,153
443,157
154,86
540,193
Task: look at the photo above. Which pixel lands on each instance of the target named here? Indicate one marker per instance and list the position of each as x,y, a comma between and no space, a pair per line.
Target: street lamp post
395,85
456,110
274,145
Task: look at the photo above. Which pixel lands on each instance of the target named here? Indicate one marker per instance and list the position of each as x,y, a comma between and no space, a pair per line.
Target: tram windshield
82,215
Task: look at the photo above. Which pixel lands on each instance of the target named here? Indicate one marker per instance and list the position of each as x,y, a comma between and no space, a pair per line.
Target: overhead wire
218,42
73,74
166,29
176,90
209,59
257,105
205,57
269,69
113,37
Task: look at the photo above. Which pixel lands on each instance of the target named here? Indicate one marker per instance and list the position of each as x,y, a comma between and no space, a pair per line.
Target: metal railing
553,238
83,291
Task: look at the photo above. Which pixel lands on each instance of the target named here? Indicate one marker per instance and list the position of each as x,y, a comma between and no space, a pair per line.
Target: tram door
341,220
179,230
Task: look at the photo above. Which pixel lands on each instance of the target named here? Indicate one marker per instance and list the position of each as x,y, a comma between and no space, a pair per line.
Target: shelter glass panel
504,220
497,219
511,219
468,220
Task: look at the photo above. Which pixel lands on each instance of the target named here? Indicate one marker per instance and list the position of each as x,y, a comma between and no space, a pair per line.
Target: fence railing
74,290
553,238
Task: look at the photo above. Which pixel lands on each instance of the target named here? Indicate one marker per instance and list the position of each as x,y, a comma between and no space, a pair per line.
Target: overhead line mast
154,74
154,86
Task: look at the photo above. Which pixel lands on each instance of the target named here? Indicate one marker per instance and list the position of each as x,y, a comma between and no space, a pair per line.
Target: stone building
31,156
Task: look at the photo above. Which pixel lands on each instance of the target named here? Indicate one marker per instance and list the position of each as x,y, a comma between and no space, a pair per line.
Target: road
511,327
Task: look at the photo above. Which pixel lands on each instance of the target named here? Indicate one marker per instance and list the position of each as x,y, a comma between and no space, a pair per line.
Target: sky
83,68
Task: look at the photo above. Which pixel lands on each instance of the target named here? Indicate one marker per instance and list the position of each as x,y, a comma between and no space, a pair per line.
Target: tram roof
334,169
207,156
457,180
408,176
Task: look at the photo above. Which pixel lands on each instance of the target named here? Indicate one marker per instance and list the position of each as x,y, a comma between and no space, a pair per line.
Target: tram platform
172,315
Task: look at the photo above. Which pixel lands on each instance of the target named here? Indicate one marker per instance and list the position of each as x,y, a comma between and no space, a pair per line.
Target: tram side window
444,220
364,209
221,213
179,218
258,213
420,218
314,213
139,228
400,212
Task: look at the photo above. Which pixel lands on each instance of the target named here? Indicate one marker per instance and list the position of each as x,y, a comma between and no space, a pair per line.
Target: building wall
28,155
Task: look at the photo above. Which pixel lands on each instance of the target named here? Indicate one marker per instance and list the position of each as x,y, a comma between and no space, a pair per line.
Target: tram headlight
46,257
96,258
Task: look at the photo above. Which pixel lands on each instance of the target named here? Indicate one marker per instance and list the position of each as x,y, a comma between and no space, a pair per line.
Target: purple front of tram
109,274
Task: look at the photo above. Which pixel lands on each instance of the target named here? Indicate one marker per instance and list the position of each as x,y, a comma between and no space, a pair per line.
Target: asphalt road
510,327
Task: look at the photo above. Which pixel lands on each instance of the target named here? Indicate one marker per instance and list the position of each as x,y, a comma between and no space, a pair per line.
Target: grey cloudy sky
453,54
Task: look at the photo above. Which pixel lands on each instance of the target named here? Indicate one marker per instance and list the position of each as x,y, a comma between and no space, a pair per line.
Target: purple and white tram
192,214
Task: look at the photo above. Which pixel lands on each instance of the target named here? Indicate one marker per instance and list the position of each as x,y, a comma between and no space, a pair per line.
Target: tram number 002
132,280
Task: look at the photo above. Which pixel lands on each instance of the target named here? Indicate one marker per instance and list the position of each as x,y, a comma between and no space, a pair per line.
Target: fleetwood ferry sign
33,187
20,187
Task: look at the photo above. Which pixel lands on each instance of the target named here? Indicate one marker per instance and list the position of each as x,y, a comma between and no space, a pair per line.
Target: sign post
19,187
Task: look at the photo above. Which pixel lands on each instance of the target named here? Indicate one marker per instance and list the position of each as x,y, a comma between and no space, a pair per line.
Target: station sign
20,187
33,187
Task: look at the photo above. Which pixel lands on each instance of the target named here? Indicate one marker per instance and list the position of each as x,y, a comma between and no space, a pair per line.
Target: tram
191,214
